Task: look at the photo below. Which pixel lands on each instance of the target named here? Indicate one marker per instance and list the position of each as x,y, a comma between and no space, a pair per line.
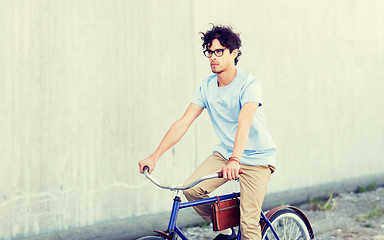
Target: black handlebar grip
145,168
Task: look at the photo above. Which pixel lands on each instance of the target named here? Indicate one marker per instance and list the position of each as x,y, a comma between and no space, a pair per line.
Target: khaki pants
253,186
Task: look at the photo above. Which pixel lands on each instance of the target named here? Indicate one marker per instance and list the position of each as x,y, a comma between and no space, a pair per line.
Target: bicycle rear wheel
288,225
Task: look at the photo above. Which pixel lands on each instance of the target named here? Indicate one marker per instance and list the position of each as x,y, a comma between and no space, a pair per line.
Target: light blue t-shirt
224,104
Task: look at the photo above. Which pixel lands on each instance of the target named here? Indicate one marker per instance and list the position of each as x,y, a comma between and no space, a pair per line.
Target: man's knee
194,193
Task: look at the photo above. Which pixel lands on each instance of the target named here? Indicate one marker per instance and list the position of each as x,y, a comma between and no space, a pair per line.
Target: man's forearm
174,134
243,128
231,170
241,138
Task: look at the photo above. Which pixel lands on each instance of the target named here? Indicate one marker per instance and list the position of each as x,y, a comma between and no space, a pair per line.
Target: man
234,103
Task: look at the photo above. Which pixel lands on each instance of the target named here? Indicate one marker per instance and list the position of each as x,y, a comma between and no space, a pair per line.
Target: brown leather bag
225,214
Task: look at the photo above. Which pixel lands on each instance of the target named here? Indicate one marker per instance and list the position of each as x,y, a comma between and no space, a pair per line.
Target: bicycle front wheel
151,238
288,225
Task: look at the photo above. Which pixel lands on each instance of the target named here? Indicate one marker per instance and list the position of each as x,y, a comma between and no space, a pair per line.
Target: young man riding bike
234,103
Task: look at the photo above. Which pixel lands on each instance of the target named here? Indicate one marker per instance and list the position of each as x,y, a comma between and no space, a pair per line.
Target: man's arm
231,170
174,134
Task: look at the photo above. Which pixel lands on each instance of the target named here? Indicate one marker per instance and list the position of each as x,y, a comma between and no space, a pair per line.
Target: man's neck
226,77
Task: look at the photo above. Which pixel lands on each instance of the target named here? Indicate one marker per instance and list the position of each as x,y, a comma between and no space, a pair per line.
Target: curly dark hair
226,37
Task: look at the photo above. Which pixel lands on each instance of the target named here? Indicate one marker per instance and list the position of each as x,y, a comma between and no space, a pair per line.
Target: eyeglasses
218,52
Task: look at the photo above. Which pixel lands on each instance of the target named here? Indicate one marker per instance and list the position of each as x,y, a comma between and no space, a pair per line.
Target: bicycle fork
173,230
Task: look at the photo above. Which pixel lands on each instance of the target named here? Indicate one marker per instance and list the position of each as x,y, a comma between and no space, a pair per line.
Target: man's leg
253,186
201,190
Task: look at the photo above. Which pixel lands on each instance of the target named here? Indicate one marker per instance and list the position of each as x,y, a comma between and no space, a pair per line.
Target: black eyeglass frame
218,52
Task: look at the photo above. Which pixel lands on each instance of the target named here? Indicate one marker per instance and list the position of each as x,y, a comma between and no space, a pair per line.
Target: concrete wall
88,88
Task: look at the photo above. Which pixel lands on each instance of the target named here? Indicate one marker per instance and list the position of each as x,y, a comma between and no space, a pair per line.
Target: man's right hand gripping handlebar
220,173
232,170
149,162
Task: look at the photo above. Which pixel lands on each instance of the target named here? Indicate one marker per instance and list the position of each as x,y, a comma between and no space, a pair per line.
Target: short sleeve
198,98
251,93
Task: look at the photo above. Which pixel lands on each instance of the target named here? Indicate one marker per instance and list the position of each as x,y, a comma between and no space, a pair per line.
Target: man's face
220,64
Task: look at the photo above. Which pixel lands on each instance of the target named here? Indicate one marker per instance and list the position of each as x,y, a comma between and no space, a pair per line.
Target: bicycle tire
288,225
151,238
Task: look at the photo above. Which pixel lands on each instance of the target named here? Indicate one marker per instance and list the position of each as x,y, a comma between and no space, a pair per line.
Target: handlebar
180,186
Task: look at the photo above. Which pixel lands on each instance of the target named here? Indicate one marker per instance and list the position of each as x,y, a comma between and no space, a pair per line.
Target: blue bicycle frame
173,230
177,205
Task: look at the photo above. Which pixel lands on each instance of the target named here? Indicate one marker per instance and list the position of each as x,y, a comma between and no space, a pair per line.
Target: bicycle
279,223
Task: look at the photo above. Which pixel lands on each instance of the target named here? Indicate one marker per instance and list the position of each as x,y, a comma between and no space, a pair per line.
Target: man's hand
149,162
231,170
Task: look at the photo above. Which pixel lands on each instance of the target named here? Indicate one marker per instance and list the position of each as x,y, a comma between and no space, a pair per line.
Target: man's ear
235,52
